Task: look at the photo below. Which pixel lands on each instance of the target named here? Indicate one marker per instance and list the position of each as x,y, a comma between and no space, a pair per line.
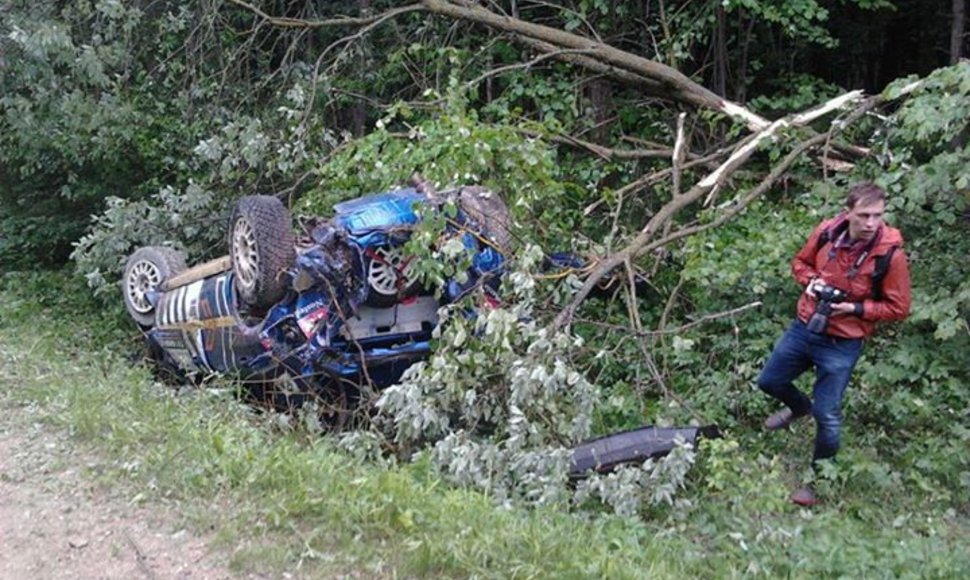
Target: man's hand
812,284
844,308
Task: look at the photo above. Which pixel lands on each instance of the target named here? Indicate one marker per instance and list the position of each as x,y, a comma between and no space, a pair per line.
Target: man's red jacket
834,266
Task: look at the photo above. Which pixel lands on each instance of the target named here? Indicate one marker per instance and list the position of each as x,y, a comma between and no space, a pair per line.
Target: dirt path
55,523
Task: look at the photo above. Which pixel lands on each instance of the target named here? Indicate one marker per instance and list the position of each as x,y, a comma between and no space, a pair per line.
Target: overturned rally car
329,310
334,311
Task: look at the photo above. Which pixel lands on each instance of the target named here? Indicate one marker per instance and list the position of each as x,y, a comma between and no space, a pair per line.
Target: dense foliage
153,117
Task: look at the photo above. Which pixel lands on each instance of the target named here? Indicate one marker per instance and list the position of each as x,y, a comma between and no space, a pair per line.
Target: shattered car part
606,453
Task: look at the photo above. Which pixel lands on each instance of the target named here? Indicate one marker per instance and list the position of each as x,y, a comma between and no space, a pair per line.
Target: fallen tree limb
708,186
676,330
651,178
657,78
672,82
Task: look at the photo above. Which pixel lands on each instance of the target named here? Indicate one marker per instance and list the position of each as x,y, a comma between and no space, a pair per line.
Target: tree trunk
957,27
600,93
720,53
358,111
741,77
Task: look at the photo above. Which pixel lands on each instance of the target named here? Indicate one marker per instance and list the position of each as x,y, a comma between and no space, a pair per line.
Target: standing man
855,274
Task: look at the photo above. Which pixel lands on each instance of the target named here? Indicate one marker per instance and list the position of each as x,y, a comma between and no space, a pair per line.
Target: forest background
692,144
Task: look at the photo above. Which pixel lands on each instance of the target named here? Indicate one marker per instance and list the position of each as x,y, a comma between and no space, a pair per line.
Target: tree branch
673,83
708,185
529,64
676,330
284,22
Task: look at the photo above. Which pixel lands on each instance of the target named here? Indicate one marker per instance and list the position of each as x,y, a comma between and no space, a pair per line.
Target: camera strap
835,234
882,261
864,254
832,237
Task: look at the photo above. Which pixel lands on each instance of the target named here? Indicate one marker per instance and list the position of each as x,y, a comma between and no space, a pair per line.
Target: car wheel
145,271
385,271
261,244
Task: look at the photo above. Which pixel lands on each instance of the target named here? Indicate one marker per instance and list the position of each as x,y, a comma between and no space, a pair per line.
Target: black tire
145,271
261,244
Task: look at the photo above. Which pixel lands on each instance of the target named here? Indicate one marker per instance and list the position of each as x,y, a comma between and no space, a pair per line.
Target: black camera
827,296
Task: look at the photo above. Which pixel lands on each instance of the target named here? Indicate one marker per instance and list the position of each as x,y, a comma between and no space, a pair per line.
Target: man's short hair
865,193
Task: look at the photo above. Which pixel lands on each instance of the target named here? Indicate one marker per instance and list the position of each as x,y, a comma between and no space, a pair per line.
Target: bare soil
57,522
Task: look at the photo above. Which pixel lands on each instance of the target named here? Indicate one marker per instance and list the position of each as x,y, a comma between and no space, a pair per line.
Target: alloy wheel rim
143,278
385,269
245,253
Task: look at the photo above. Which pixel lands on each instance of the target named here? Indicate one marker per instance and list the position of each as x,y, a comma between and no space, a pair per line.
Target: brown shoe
804,496
780,420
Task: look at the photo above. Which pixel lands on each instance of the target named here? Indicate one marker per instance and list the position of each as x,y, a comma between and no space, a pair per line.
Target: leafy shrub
500,404
448,148
71,129
193,218
190,218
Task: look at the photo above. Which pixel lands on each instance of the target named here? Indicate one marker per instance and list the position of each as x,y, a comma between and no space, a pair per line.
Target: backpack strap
880,271
831,234
823,238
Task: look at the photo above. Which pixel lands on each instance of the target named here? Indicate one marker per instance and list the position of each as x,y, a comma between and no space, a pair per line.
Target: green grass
286,501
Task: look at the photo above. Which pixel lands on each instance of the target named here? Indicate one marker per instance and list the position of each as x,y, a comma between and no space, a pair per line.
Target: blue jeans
833,358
